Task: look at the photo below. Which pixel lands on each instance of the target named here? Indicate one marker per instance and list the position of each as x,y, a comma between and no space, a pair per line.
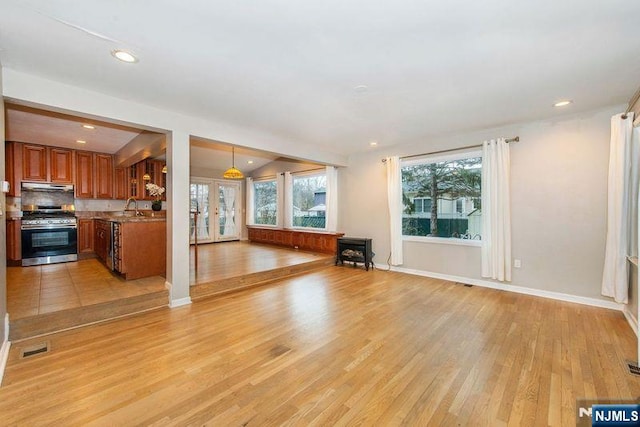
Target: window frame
306,174
436,158
273,179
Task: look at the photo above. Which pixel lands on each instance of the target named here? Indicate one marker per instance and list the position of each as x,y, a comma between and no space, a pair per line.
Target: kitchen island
135,247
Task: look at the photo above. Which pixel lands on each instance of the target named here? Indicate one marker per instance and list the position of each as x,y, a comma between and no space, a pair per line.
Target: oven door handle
48,227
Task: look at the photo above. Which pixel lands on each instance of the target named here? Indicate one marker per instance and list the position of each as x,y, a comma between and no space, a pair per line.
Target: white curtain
496,210
251,205
615,281
288,200
281,207
394,192
634,192
332,199
229,196
200,201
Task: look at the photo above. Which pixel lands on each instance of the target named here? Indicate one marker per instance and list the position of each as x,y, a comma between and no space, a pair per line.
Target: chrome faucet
126,205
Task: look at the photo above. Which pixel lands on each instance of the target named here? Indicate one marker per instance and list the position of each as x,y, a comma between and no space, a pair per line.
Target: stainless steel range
49,225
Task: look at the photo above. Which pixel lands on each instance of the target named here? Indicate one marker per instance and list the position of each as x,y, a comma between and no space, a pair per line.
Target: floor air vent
34,350
634,369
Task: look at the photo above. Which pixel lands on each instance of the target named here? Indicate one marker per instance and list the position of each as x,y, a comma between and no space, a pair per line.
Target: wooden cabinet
34,163
150,171
60,165
140,249
38,163
133,186
94,175
86,236
102,239
132,181
84,175
121,184
316,241
14,239
104,176
13,167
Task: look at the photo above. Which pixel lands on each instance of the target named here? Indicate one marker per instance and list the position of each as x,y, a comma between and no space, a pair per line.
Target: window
453,184
422,204
265,202
309,200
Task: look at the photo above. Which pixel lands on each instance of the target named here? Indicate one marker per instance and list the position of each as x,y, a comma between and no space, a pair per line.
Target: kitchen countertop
123,218
117,216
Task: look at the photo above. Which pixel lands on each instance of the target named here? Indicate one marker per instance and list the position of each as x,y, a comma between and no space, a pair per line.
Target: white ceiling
218,156
290,68
37,126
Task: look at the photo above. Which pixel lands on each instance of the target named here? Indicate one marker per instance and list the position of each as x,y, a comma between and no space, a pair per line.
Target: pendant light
232,172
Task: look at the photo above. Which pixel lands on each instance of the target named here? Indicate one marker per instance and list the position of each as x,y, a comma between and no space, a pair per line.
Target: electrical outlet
517,263
146,205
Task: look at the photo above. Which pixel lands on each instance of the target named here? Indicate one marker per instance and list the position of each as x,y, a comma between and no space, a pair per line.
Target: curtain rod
309,170
632,102
274,176
293,173
514,139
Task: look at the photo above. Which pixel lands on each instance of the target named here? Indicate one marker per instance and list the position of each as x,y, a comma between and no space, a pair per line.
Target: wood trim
316,241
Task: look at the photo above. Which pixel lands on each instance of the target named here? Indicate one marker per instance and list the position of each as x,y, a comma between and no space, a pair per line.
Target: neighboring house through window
309,200
453,183
265,202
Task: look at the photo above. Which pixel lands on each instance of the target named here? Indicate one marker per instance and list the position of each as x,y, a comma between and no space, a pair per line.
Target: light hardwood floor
219,261
56,287
339,346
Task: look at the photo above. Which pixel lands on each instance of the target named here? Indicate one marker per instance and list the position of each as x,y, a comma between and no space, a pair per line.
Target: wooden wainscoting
316,241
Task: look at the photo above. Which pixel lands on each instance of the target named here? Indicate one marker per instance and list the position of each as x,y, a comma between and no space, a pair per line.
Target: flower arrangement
155,190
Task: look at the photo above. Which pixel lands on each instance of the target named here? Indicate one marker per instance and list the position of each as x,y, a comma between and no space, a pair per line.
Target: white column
178,218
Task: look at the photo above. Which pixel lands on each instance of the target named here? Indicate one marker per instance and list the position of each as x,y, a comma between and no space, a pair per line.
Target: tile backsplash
14,204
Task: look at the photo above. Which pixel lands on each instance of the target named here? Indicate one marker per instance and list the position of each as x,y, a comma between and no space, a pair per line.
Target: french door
218,206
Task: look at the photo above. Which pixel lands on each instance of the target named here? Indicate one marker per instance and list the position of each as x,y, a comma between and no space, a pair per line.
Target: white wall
559,191
3,232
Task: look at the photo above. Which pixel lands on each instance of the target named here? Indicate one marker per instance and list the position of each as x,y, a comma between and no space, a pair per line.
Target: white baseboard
594,302
631,319
179,302
4,350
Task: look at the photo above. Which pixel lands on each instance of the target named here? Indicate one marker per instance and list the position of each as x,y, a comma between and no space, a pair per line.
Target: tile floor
55,287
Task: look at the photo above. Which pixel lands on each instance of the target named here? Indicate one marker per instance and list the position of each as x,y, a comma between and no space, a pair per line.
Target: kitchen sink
124,213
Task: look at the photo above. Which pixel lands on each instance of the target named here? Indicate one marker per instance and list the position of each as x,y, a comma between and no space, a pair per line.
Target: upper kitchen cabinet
84,175
94,175
13,167
104,176
34,163
40,163
28,162
61,165
122,183
151,172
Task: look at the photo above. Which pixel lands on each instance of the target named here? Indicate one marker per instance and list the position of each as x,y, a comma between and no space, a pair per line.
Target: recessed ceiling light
124,56
88,126
373,143
361,88
250,162
80,141
563,103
